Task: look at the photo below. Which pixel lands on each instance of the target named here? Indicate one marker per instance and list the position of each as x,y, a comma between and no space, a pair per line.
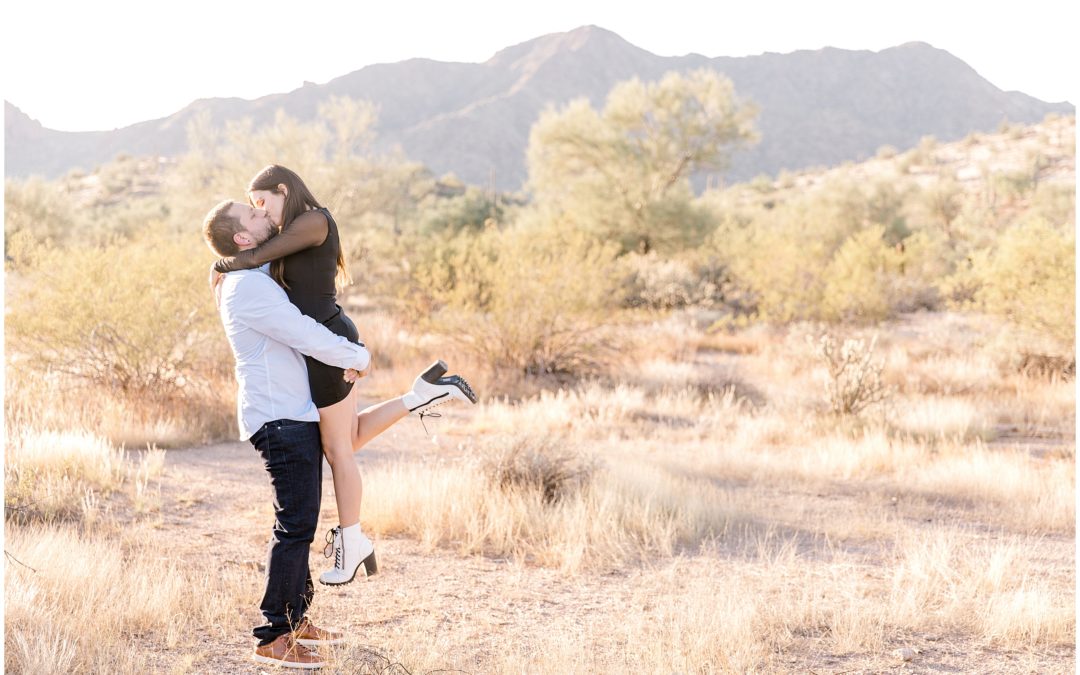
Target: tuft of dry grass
990,588
65,476
559,511
550,465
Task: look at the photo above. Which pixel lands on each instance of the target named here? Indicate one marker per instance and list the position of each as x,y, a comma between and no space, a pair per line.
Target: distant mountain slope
818,108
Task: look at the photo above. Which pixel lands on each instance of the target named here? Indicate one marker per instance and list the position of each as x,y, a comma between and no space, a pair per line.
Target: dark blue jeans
292,454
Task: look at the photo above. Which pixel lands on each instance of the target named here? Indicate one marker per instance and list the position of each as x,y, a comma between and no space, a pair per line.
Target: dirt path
465,613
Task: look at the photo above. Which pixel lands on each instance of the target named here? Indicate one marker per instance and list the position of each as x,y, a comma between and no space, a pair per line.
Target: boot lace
334,547
427,414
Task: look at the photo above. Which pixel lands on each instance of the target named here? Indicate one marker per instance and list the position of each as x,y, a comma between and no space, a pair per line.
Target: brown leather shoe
287,653
311,635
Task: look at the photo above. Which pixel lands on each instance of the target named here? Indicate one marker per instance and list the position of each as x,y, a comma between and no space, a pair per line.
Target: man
276,413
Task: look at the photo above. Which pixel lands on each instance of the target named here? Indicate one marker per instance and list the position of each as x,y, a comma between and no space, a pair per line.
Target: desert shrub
1012,185
132,316
1029,277
870,279
925,150
467,211
533,298
798,258
1047,366
940,203
663,283
785,286
923,261
854,379
37,210
1054,203
659,283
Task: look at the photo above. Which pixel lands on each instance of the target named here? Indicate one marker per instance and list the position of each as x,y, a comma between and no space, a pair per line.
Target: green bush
858,279
1029,277
467,211
532,298
777,256
924,260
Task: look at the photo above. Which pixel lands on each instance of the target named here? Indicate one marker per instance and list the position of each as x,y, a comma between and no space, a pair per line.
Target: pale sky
109,63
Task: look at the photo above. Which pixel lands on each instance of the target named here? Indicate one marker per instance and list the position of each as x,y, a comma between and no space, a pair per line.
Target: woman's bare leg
337,426
372,421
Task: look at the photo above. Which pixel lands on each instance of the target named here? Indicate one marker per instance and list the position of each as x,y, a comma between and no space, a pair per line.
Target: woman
307,261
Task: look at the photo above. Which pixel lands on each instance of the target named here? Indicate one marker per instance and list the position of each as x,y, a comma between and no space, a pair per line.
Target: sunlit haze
89,66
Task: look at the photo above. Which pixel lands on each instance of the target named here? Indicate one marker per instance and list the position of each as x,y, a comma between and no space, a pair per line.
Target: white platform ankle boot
351,549
431,389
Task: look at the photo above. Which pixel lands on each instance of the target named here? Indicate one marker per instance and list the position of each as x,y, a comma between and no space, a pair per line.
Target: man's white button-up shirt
267,334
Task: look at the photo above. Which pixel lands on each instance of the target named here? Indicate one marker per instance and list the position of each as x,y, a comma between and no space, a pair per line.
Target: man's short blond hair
219,226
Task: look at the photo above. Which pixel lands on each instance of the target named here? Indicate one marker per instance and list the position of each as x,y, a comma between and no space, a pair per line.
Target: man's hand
352,375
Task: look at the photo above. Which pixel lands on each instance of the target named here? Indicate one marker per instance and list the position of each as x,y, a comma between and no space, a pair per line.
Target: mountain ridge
818,107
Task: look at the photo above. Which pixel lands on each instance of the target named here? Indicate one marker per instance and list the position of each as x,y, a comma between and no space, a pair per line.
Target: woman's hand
215,285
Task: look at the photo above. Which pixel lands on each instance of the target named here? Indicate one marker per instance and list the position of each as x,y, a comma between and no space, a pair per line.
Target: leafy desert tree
352,123
625,170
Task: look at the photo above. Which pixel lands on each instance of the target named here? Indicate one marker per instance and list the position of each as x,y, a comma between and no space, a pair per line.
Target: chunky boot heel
434,372
351,550
370,566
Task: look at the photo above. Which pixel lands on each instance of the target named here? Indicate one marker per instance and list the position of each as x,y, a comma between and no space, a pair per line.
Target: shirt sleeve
304,232
260,303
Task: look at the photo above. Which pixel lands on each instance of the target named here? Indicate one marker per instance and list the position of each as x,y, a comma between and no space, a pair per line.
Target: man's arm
257,301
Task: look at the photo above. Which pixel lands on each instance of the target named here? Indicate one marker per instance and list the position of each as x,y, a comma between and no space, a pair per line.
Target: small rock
904,653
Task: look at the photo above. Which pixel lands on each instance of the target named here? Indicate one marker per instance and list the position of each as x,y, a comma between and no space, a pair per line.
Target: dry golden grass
708,516
89,595
38,401
629,512
53,476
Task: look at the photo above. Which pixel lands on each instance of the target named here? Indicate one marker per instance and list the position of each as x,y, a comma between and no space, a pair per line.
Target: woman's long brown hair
298,199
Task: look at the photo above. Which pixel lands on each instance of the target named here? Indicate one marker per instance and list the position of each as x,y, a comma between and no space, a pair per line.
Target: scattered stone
904,653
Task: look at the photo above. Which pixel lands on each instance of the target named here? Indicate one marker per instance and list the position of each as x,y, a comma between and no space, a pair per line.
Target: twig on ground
13,558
